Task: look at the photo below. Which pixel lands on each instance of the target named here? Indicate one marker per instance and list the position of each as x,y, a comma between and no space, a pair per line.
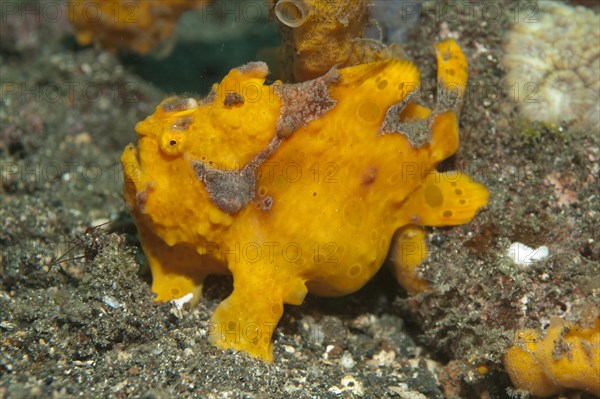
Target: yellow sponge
567,357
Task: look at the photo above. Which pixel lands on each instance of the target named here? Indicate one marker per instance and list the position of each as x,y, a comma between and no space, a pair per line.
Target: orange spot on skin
370,176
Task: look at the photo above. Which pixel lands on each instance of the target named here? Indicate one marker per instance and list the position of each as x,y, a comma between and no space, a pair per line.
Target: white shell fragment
522,255
179,302
112,302
292,13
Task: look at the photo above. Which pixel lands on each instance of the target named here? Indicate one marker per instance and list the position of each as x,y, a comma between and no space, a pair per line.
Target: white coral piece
553,63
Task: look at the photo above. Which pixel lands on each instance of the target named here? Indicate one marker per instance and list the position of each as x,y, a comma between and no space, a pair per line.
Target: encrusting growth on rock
138,25
319,34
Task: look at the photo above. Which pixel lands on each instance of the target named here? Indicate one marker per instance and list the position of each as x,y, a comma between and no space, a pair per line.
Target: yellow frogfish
294,188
